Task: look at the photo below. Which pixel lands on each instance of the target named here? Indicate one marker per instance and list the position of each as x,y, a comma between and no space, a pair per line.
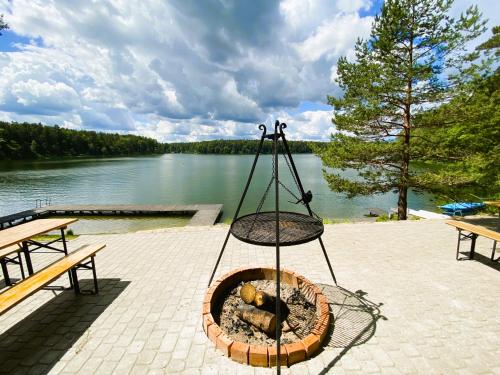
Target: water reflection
177,179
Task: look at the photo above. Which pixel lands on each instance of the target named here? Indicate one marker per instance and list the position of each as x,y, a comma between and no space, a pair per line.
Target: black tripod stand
277,228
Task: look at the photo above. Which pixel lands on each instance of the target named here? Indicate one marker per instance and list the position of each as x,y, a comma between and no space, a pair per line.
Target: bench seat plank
482,231
14,295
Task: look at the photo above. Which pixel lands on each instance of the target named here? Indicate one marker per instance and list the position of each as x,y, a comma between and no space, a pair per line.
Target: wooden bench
474,232
71,262
6,259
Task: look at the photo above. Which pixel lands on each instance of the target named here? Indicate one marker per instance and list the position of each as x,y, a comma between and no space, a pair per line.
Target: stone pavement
404,305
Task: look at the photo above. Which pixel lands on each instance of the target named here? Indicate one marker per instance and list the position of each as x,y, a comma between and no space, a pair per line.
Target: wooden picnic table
24,234
493,203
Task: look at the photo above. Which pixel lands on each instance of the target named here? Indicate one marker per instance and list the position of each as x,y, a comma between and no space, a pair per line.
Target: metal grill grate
260,228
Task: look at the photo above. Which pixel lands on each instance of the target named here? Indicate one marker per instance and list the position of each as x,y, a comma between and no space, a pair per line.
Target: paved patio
405,305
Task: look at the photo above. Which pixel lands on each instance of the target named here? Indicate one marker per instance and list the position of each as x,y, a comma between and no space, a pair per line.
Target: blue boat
461,208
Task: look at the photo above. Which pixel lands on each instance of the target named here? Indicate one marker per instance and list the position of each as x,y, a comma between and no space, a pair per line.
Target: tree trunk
405,175
404,182
402,203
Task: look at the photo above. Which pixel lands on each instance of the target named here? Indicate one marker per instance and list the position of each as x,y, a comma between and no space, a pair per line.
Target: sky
182,70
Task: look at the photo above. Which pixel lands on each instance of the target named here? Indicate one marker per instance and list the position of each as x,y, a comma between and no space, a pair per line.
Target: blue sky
9,39
181,70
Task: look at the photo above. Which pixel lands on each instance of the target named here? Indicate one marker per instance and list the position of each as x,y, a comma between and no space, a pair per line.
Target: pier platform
202,214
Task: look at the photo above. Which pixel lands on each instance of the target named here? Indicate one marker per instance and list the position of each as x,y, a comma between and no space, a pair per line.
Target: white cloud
179,70
335,38
309,125
304,16
54,96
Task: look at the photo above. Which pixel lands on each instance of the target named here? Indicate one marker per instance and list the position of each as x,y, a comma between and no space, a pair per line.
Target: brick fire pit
265,355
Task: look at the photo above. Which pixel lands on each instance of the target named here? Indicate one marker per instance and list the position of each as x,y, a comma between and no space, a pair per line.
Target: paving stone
168,343
106,367
175,365
195,356
146,357
441,315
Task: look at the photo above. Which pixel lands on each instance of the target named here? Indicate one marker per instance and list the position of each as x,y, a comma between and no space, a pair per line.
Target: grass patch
327,220
51,237
382,218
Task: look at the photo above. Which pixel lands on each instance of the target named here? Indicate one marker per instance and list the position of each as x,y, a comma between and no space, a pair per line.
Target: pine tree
3,24
400,70
461,138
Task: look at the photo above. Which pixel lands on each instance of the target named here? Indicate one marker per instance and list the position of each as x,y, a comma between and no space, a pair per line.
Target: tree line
236,147
31,141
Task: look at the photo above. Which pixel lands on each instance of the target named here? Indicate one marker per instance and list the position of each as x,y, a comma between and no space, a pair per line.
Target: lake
177,179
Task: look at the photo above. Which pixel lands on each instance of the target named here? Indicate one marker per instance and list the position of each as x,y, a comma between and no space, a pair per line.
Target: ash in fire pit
299,315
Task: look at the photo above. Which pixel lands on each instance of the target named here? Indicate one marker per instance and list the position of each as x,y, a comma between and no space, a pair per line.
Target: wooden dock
202,214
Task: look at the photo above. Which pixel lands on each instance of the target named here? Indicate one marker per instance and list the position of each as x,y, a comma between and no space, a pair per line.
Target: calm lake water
176,179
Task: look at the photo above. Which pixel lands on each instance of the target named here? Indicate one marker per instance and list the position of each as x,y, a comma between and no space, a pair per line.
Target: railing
39,203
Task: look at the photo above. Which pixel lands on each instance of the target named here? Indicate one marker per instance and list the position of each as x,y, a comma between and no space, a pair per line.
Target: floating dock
202,214
423,214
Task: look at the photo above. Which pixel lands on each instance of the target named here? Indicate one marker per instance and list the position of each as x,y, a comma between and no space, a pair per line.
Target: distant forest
33,141
235,147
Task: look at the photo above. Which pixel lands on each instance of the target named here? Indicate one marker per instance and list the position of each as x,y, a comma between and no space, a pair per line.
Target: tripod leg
327,260
218,259
263,128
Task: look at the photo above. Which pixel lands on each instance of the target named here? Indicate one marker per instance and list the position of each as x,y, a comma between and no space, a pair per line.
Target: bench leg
65,249
27,256
74,277
458,243
462,237
472,246
5,271
20,260
493,252
94,273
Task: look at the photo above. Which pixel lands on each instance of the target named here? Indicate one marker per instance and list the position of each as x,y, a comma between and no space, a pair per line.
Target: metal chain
266,192
263,199
261,203
287,189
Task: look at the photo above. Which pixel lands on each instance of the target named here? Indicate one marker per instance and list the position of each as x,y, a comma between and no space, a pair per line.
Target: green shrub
382,218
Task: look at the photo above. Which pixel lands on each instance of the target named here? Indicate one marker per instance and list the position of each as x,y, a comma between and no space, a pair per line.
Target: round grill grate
260,228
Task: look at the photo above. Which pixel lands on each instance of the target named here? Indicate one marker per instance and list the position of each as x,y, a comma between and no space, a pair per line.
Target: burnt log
247,293
267,302
261,298
261,319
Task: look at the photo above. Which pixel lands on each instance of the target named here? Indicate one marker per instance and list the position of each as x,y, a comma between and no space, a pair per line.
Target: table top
493,203
22,232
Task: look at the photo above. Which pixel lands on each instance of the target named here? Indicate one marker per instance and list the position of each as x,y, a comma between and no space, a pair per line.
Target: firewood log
263,320
247,293
261,298
267,302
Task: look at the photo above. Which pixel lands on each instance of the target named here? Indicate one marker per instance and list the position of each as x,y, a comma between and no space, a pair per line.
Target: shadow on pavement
491,223
37,342
486,260
353,320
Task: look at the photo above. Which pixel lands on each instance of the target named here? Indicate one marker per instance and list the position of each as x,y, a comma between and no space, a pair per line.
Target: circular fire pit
265,355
